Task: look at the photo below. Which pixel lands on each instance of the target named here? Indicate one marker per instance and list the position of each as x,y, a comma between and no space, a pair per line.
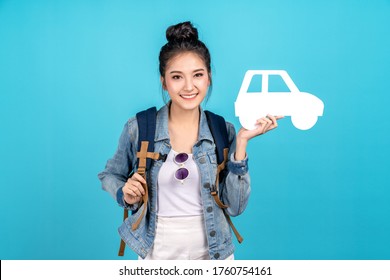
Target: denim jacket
234,189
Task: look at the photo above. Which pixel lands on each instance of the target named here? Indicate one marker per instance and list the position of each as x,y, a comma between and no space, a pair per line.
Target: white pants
180,238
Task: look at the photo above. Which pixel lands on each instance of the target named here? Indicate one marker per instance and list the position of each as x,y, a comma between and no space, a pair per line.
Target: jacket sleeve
120,166
235,187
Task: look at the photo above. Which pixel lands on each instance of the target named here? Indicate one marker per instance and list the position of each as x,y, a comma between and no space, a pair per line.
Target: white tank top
176,198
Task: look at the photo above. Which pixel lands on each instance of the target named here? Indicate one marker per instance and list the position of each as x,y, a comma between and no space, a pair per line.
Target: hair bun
184,31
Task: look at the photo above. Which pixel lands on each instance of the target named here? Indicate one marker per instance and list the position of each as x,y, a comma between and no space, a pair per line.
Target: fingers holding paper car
304,108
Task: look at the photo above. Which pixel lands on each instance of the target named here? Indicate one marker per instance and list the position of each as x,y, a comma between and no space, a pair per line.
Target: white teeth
188,96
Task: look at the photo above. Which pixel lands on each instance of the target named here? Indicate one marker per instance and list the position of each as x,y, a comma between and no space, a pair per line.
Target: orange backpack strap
142,155
214,192
215,188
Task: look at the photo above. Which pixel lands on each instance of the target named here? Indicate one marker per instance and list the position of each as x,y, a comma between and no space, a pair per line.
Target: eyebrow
176,71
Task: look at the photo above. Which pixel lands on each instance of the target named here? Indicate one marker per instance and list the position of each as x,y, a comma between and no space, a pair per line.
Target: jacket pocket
130,221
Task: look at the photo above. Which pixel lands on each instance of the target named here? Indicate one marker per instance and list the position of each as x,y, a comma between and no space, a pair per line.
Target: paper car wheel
304,122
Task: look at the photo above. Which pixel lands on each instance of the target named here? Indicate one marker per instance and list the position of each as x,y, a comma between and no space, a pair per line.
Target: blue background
72,73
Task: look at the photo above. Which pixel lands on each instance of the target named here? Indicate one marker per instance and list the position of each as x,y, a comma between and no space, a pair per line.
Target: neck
182,117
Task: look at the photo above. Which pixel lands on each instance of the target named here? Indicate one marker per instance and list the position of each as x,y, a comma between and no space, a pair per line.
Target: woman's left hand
263,125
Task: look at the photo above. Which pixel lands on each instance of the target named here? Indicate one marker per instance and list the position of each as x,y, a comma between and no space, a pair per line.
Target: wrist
241,141
240,149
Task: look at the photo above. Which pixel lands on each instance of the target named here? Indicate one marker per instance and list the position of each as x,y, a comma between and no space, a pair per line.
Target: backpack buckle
213,190
163,157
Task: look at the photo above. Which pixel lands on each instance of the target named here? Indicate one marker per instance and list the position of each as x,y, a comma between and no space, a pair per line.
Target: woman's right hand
133,189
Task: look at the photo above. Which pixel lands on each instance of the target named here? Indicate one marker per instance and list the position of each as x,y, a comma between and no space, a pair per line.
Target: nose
189,85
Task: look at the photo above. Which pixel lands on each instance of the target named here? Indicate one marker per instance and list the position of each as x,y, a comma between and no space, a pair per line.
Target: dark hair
183,37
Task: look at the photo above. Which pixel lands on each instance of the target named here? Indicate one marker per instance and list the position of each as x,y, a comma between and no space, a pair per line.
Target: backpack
147,127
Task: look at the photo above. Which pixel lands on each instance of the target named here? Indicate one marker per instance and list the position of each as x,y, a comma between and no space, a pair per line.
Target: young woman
182,220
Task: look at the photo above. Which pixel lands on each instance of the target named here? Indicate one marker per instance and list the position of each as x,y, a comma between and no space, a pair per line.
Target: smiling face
187,80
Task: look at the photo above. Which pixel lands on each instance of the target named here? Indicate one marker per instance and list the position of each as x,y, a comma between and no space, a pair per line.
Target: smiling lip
189,96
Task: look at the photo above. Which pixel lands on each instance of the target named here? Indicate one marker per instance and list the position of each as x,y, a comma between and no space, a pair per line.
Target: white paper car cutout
304,108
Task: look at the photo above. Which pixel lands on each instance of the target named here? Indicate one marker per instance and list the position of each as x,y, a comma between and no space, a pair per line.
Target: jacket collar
162,125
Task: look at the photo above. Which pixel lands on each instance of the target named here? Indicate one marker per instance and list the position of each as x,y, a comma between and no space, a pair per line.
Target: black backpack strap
146,130
218,129
217,126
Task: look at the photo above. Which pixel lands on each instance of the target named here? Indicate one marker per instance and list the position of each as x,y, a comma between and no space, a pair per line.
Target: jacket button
216,256
212,233
209,209
202,160
206,185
